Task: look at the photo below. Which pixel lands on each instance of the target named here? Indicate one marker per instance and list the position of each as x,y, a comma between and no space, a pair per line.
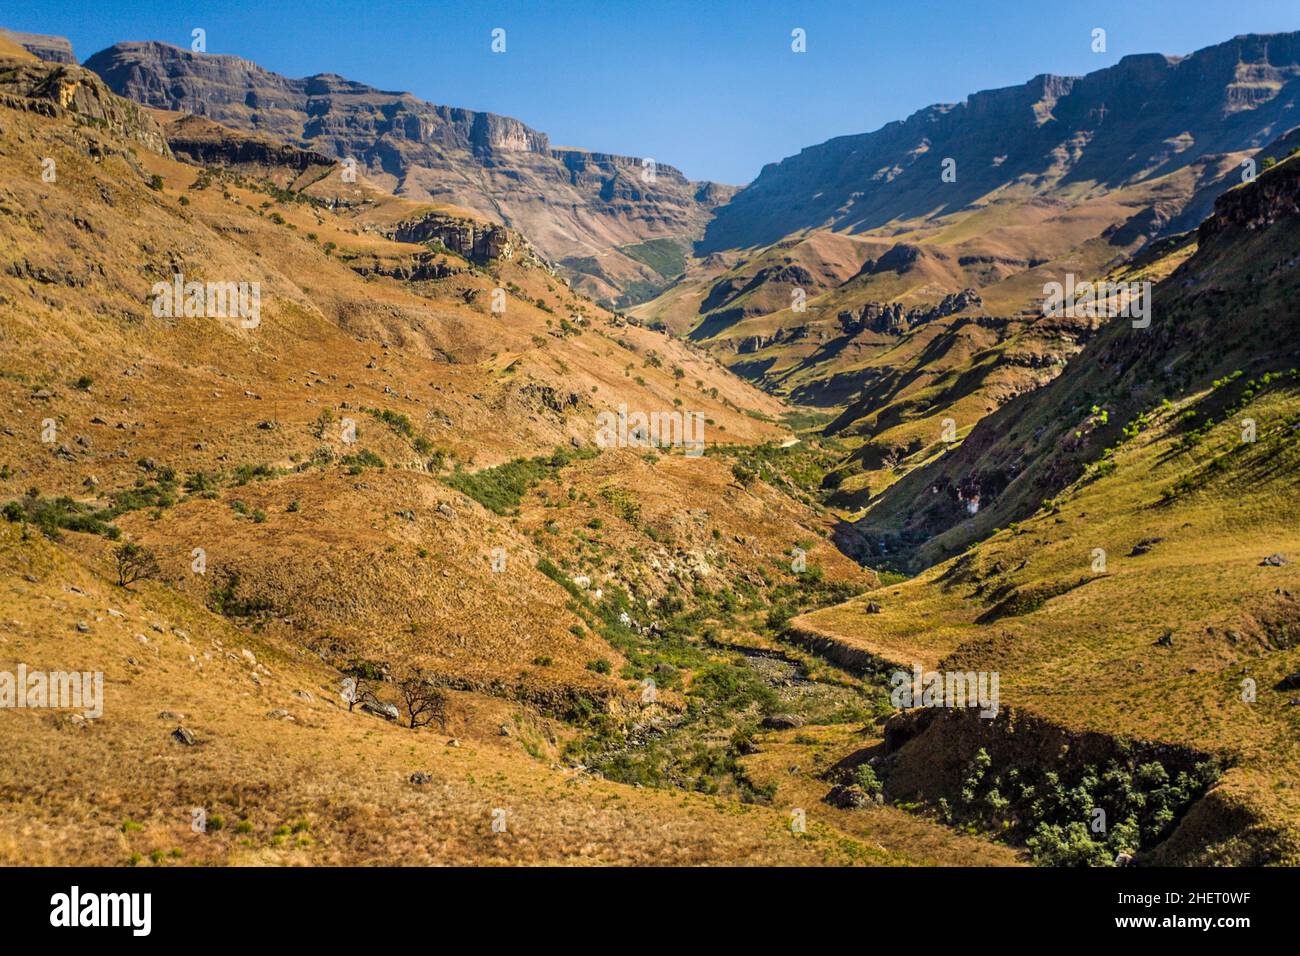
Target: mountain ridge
863,160
574,205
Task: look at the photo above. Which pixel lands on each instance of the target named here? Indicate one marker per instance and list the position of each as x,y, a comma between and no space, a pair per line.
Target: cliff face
475,241
203,143
58,89
1274,195
1146,116
49,48
570,203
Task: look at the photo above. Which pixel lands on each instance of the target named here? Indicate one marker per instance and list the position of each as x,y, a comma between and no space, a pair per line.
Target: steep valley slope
381,475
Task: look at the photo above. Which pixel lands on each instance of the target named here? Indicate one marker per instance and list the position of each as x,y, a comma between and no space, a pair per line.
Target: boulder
782,721
386,711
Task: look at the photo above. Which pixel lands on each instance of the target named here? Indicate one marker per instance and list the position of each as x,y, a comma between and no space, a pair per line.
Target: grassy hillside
384,477
1130,574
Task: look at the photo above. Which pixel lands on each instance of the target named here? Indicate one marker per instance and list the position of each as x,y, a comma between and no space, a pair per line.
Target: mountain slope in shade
580,209
1221,324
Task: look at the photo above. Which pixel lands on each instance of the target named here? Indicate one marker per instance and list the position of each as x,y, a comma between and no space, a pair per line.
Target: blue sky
709,86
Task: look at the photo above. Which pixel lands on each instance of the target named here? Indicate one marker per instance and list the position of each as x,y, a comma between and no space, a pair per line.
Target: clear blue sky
709,86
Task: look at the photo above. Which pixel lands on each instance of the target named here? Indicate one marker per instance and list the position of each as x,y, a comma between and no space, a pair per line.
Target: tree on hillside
134,562
424,703
360,678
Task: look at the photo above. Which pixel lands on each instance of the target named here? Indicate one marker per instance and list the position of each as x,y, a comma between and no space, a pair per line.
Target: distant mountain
50,48
813,278
1145,117
590,212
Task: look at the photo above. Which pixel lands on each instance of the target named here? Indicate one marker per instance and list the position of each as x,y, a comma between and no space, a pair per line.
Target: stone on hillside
1273,561
1144,546
782,721
386,711
851,797
184,736
420,777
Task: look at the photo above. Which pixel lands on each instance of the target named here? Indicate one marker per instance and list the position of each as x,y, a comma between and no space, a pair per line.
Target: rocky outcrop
889,318
204,143
67,90
1274,195
471,239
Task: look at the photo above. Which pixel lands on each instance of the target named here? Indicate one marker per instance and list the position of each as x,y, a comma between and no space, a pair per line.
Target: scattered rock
1273,561
183,736
83,627
1124,859
1166,639
170,715
506,731
445,510
279,714
420,778
782,721
453,742
873,607
386,711
1289,682
1144,546
851,797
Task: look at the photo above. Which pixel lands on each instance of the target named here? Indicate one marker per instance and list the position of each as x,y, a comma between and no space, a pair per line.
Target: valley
367,584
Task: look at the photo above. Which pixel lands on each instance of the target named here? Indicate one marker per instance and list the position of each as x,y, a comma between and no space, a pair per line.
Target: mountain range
605,218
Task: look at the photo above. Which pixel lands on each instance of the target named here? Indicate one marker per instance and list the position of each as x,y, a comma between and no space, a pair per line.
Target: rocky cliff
49,48
1146,116
57,90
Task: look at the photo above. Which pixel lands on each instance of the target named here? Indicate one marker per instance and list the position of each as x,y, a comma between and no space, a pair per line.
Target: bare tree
134,562
424,702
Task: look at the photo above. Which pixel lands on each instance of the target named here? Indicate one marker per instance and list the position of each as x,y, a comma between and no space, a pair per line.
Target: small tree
424,703
134,562
360,678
